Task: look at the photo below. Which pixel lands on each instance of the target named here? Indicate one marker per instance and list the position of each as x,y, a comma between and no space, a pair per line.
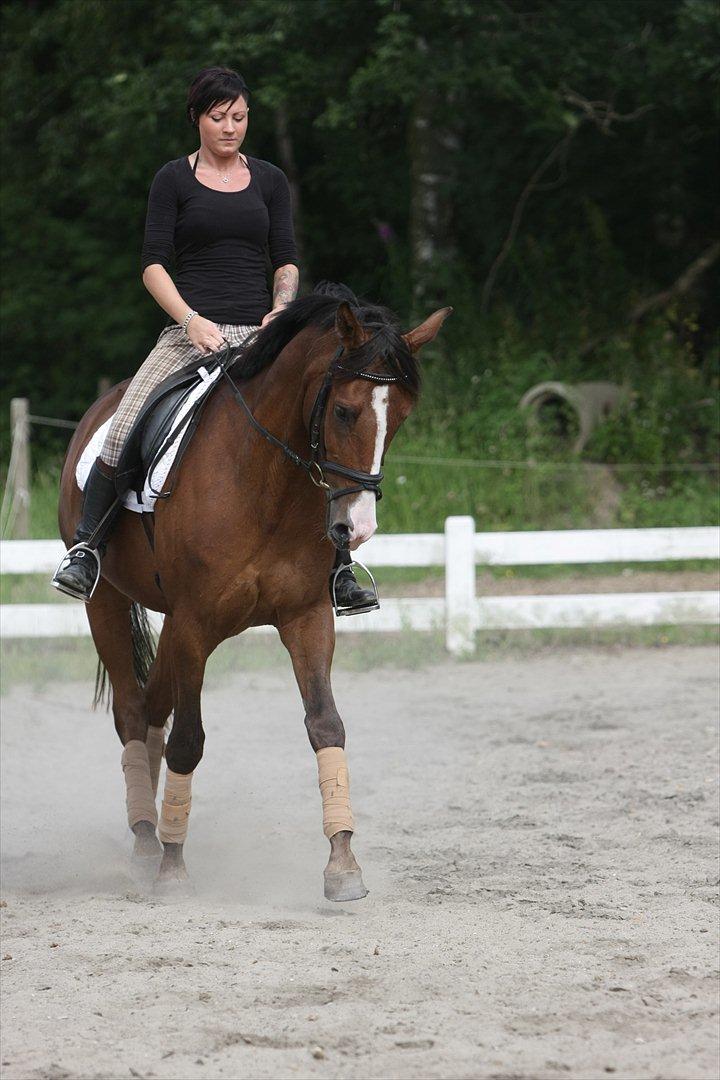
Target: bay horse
245,540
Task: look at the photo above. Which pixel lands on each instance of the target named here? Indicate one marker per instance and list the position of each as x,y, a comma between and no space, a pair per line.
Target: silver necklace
226,178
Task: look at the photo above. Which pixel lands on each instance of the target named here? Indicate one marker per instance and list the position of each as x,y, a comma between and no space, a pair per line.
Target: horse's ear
427,330
348,328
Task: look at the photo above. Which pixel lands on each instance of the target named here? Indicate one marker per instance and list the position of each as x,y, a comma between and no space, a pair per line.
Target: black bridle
317,465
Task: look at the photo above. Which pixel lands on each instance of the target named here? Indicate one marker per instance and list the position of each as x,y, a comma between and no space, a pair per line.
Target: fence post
20,495
460,585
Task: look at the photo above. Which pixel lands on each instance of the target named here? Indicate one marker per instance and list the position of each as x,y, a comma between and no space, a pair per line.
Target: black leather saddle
152,433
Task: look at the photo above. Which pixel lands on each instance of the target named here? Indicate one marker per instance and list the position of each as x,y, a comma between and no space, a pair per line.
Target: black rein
317,465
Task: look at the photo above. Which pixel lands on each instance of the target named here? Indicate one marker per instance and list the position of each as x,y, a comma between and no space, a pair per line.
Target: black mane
319,309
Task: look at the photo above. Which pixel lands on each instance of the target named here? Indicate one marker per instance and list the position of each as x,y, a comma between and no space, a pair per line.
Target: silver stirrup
83,549
372,605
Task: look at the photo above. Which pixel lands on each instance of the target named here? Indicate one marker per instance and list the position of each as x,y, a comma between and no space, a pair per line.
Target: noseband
317,464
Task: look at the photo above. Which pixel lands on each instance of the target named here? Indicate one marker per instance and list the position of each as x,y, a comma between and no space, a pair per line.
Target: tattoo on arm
285,285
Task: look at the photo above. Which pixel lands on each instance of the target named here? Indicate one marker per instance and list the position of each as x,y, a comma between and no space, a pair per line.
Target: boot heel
357,600
82,584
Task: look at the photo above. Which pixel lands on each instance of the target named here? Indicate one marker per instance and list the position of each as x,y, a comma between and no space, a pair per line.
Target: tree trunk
434,141
286,154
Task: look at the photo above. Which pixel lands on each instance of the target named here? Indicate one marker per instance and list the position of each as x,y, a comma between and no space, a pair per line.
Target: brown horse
245,540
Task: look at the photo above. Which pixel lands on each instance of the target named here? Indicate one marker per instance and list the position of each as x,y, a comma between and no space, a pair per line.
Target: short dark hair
212,86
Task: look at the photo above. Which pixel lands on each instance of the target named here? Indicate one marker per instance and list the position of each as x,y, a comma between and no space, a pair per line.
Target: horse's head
372,392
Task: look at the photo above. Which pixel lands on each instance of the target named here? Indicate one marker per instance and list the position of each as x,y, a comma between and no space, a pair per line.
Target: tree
438,149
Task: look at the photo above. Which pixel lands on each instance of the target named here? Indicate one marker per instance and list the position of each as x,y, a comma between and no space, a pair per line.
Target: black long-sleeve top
218,239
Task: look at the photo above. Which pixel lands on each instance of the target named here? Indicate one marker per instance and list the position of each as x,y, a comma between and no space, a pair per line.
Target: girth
317,465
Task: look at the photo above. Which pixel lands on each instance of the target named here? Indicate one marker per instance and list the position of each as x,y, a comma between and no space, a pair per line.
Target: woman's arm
203,333
281,245
161,287
285,287
157,255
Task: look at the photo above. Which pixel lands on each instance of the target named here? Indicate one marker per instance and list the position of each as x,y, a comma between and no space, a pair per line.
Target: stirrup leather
82,549
343,609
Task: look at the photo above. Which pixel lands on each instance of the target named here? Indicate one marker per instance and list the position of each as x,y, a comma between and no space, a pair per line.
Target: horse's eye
344,414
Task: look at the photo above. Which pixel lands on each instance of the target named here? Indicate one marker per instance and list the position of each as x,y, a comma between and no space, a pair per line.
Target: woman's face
223,128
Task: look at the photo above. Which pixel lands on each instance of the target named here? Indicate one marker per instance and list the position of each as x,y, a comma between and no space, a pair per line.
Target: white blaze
362,507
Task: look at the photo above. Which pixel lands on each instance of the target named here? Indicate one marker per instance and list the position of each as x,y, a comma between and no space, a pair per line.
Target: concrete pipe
591,402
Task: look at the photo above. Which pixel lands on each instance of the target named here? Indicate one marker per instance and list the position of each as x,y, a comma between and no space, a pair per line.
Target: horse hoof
174,884
144,868
146,847
146,855
345,886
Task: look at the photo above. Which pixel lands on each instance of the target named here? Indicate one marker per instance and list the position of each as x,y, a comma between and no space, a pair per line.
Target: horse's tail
143,655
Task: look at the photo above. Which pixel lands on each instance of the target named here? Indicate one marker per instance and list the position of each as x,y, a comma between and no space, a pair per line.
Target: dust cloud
538,836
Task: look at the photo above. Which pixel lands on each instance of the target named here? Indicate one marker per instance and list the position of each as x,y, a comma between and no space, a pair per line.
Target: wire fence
52,421
16,496
492,463
532,463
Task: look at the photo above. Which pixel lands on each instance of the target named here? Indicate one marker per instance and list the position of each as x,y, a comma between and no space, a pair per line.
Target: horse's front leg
310,640
184,750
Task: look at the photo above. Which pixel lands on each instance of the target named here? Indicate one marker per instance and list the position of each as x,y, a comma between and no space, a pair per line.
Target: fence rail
460,613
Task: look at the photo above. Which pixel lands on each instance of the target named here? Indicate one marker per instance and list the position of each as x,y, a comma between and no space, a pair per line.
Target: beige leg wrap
138,785
155,743
175,808
334,781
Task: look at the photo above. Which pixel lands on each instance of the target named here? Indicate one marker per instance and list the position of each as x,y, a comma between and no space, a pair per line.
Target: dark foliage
410,128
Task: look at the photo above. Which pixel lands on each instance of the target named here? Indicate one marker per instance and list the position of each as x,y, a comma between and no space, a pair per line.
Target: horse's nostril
340,535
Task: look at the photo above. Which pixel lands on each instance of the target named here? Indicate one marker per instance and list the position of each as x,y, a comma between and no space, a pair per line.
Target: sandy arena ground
538,835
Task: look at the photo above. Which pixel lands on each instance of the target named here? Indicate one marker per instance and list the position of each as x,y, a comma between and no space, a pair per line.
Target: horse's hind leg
188,652
109,615
159,702
310,640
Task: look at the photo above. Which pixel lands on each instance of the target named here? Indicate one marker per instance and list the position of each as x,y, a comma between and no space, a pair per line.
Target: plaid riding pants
172,352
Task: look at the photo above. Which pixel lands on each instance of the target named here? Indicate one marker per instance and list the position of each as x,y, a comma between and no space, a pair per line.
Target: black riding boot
349,598
79,570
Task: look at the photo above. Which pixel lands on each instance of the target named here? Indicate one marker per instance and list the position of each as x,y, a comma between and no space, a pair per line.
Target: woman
216,211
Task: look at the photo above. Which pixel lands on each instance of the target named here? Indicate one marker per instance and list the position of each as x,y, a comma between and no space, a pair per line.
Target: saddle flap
153,430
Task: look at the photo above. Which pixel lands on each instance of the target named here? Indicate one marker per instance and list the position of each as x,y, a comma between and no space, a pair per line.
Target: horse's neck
275,397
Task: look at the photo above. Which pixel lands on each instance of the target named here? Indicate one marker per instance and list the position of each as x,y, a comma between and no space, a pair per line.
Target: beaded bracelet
190,315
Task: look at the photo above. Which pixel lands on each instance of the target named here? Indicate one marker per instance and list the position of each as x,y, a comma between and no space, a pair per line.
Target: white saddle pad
162,468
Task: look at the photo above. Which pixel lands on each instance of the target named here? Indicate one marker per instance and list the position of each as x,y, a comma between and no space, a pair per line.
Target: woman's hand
204,335
271,314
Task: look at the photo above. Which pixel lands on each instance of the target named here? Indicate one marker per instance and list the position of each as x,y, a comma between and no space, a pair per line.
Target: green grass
466,448
498,500
41,664
392,576
559,495
44,503
492,643
30,589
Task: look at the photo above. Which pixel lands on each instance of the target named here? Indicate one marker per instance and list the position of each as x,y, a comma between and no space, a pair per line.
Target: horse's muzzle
339,534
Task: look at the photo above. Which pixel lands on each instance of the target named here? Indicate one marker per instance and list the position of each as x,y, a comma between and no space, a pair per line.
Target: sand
538,835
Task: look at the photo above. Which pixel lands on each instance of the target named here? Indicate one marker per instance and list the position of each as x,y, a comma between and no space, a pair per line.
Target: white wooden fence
460,613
